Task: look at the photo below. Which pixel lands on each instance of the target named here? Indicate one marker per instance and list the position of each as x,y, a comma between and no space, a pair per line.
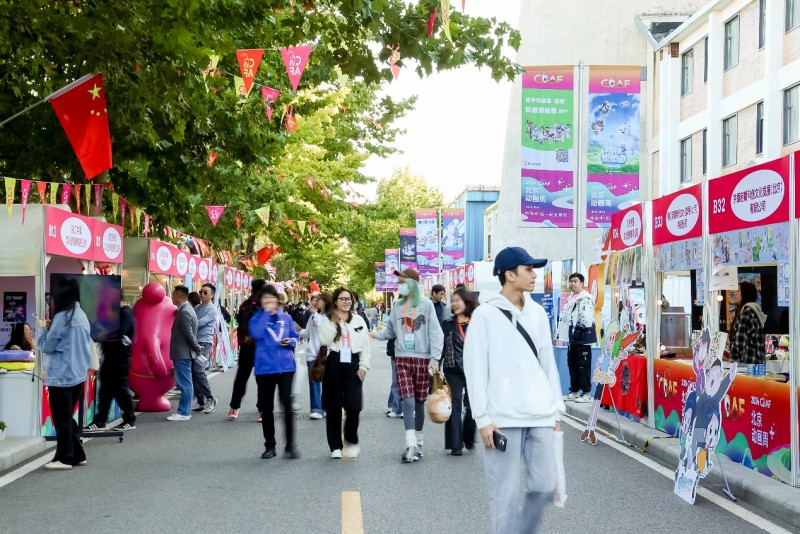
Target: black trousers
114,385
341,389
579,361
459,431
266,401
62,406
247,358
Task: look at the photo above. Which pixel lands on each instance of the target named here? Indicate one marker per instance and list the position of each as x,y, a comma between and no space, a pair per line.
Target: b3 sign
754,197
678,216
626,228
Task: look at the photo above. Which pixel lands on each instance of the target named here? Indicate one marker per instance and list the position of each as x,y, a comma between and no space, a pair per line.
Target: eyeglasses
204,292
345,299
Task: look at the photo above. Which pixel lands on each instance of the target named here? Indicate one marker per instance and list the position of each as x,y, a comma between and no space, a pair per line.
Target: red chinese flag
81,109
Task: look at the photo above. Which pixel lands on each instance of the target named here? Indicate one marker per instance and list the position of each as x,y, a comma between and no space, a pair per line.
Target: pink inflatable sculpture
151,369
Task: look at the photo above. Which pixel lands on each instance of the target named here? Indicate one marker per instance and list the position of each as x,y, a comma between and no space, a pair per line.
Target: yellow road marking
352,521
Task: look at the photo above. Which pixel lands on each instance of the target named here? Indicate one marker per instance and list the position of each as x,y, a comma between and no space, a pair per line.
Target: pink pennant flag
432,21
98,195
310,182
393,59
25,194
212,157
249,60
146,224
132,212
295,60
66,193
123,204
463,6
314,227
324,192
214,213
270,96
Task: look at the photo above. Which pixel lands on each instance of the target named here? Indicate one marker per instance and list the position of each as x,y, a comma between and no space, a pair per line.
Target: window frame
705,59
762,24
731,53
790,113
687,72
759,128
686,159
705,151
792,16
729,152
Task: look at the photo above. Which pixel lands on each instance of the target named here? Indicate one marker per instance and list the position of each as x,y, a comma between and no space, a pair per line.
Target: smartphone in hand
500,441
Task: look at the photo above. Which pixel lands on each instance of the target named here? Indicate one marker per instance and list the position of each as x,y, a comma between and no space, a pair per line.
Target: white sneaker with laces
337,454
584,399
57,466
571,396
315,415
178,417
351,451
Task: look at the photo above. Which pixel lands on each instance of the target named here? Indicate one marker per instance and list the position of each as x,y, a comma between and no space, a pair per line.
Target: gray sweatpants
534,446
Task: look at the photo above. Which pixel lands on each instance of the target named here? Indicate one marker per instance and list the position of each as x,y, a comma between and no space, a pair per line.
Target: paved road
206,475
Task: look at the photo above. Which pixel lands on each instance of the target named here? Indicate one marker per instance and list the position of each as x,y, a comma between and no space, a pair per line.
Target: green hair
413,292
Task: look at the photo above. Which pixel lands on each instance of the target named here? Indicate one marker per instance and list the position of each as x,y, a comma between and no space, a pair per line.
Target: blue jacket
66,345
267,330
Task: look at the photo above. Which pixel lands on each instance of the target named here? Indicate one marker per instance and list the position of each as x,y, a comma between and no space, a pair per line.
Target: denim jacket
66,346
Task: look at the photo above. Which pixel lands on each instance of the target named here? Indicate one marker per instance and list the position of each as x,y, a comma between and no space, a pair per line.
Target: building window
729,141
732,42
705,152
791,117
687,66
792,14
760,128
686,160
762,23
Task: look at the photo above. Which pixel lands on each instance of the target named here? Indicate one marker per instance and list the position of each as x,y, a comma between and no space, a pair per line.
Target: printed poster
548,149
408,248
380,276
613,142
762,244
454,233
392,262
15,307
427,241
783,283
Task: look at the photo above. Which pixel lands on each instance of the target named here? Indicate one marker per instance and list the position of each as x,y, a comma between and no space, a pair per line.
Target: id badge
345,355
408,341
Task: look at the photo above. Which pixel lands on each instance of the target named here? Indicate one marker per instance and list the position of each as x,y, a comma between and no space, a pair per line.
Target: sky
455,135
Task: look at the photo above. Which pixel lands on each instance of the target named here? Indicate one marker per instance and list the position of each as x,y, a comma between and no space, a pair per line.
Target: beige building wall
791,45
697,156
745,140
696,100
655,87
751,59
655,172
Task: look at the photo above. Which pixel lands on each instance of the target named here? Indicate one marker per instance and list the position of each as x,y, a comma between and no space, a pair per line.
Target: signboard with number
68,234
678,216
754,197
626,228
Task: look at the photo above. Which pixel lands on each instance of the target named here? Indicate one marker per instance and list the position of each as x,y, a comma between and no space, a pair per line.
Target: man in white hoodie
515,393
578,311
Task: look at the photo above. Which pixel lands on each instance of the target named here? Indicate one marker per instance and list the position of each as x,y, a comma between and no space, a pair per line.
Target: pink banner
626,228
229,277
270,96
25,195
214,213
295,60
68,234
107,242
162,258
66,193
98,195
678,216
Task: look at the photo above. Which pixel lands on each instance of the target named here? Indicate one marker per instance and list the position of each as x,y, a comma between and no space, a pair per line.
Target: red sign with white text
229,277
162,258
754,197
107,242
68,234
678,216
626,228
470,275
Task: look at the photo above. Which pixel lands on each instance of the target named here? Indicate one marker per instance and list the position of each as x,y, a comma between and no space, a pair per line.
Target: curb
770,496
15,451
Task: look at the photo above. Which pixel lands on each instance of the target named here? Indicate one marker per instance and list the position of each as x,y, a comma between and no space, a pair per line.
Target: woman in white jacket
345,335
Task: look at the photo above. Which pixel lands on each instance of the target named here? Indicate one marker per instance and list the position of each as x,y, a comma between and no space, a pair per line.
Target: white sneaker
351,451
337,454
178,417
584,399
57,466
571,397
394,415
315,415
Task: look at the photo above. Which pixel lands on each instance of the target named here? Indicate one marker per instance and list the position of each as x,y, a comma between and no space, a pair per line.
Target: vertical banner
454,230
548,149
380,276
427,241
613,142
392,262
408,248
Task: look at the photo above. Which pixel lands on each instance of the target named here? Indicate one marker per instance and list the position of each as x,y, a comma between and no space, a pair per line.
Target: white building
726,91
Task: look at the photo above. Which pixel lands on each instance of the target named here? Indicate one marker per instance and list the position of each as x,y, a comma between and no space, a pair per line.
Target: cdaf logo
611,83
545,78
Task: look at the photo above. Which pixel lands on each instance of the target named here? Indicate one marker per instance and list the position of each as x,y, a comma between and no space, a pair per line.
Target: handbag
440,404
94,358
317,371
582,335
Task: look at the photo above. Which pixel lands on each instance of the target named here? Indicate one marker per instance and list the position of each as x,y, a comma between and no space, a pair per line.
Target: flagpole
24,111
47,98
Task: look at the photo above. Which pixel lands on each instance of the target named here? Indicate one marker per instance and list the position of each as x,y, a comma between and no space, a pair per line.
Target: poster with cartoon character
702,415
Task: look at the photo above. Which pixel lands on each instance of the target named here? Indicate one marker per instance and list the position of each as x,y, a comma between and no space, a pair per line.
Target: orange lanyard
463,334
413,313
345,336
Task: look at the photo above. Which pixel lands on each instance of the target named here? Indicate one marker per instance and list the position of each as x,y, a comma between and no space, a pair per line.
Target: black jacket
246,311
452,336
120,346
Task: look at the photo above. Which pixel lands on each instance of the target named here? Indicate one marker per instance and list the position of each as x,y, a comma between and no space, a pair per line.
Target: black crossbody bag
522,331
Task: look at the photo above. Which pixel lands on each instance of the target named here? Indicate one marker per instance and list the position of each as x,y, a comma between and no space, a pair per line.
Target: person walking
394,406
443,311
114,374
459,431
183,350
747,330
275,336
322,305
515,393
206,327
65,342
346,336
247,348
418,348
373,317
577,316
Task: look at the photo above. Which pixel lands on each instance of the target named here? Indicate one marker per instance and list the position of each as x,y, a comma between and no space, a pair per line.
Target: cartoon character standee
151,369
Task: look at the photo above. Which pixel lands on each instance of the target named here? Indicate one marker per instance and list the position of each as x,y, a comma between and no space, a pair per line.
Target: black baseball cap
511,257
